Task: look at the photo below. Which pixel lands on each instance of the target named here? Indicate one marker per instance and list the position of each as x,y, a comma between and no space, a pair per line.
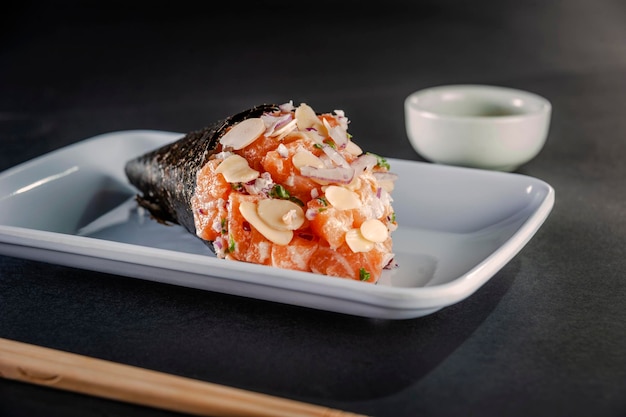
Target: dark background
546,336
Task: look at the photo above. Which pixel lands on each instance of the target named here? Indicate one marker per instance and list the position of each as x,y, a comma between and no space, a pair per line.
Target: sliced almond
235,168
387,185
342,198
314,135
306,158
285,130
337,133
306,117
243,133
248,210
357,242
280,214
355,184
353,148
374,230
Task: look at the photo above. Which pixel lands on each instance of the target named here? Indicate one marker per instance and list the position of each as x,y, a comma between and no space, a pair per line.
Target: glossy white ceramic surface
477,126
457,228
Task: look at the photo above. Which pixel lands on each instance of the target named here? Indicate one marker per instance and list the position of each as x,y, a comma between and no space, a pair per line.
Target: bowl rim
412,105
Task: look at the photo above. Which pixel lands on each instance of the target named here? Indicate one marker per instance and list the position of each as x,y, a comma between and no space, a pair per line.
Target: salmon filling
291,189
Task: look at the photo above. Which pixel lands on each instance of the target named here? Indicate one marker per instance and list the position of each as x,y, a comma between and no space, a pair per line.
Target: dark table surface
546,336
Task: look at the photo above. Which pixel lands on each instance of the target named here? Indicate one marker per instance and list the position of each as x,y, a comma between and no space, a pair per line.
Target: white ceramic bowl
478,126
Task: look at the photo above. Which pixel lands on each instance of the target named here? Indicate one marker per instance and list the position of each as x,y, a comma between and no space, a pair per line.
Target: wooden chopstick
86,375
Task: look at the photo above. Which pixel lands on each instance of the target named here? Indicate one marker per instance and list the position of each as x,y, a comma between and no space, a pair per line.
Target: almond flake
243,133
280,214
357,242
374,230
342,198
248,210
235,168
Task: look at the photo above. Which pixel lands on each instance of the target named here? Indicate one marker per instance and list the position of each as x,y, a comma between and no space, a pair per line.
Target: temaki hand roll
276,185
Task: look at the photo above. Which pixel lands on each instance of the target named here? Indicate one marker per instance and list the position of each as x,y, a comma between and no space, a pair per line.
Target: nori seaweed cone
166,177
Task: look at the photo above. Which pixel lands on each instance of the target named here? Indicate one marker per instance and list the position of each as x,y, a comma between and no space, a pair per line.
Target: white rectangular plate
457,228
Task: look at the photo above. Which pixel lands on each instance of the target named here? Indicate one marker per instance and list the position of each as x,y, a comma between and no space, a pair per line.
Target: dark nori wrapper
166,177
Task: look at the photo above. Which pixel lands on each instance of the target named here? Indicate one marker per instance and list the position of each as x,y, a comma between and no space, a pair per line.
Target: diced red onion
314,135
285,129
341,118
282,150
282,121
337,134
390,261
310,214
364,162
261,185
287,107
343,122
335,156
342,175
273,123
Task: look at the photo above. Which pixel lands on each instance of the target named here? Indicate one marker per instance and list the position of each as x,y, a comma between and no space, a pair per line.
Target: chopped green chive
364,275
278,191
381,162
